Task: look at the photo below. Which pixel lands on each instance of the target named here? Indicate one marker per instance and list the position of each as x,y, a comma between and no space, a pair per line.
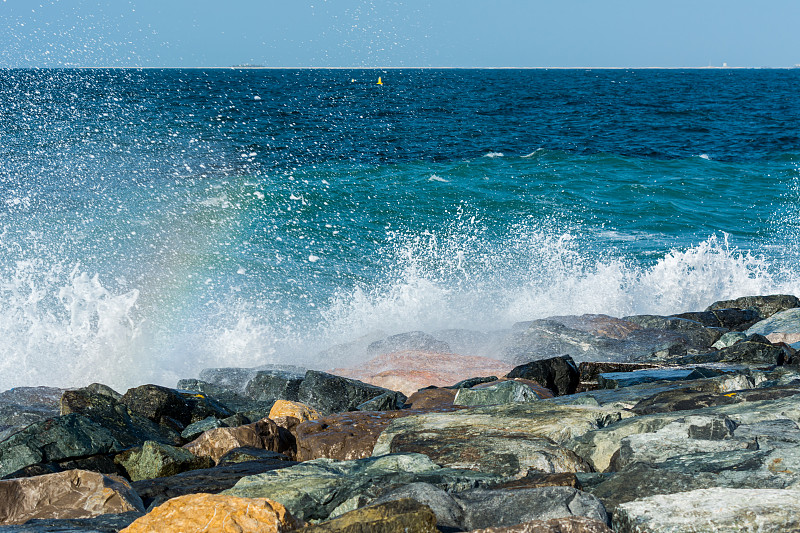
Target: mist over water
153,223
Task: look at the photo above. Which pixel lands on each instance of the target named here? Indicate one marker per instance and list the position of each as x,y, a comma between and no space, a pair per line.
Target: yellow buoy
379,81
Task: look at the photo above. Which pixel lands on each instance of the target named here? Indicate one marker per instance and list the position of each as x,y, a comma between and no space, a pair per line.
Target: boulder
408,371
214,512
448,511
271,385
244,454
713,509
343,436
589,370
570,524
615,380
71,494
207,480
765,305
729,339
104,523
388,401
431,398
505,507
313,490
263,434
500,392
559,374
328,393
413,340
296,410
534,479
233,399
753,350
158,460
783,326
733,319
22,406
394,516
172,407
195,429
694,334
505,440
55,439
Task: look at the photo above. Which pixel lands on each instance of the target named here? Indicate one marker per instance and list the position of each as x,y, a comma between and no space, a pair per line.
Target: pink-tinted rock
408,371
70,494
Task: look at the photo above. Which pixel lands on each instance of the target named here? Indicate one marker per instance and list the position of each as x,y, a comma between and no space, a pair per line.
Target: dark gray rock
413,340
328,393
232,399
244,454
732,319
388,401
106,523
616,380
271,385
694,334
449,513
754,350
166,406
559,374
22,406
765,305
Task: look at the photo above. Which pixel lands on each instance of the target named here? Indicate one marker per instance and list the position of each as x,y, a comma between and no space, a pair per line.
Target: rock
776,468
314,489
570,524
408,371
714,509
158,460
534,479
55,439
615,380
233,379
22,406
765,305
388,401
272,385
263,434
215,512
783,326
505,507
335,394
296,410
680,400
343,436
559,374
167,406
589,370
394,516
501,392
505,440
733,319
129,428
413,340
105,523
448,511
232,399
244,454
431,398
472,382
208,480
195,429
71,494
99,388
729,339
696,336
753,350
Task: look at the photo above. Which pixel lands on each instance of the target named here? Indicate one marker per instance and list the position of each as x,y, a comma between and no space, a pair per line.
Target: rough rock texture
71,494
506,507
448,511
733,319
589,370
157,460
233,398
263,434
412,340
500,392
431,398
315,489
571,524
343,436
271,385
296,410
22,406
211,480
765,305
328,393
388,401
409,371
559,374
615,380
216,513
783,326
754,350
716,509
390,517
104,523
55,439
504,440
166,406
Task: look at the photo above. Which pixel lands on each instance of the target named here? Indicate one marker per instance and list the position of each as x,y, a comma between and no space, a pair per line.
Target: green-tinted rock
154,460
501,393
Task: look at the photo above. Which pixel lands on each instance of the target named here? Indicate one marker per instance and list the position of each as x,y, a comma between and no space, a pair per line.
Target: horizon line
263,67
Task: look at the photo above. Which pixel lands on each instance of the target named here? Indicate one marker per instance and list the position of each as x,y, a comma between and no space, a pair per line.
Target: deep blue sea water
155,222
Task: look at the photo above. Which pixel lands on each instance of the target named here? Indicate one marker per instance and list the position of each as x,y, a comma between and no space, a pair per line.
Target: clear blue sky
410,33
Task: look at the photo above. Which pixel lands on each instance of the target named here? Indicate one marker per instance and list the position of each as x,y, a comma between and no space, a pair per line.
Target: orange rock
264,434
196,513
70,494
408,371
300,411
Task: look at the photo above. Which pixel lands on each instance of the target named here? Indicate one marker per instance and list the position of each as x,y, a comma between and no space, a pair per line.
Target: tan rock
70,494
390,517
216,513
264,434
298,410
570,524
408,371
434,398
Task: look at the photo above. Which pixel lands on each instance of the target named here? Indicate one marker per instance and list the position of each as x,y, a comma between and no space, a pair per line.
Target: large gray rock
22,406
559,374
53,440
270,385
503,392
765,305
505,440
753,350
733,319
694,335
172,407
783,326
328,393
714,509
153,460
448,511
104,523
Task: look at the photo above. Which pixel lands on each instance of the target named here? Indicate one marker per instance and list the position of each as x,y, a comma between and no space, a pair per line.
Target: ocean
157,222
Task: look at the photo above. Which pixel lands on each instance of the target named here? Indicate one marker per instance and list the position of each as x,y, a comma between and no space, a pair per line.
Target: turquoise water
153,223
